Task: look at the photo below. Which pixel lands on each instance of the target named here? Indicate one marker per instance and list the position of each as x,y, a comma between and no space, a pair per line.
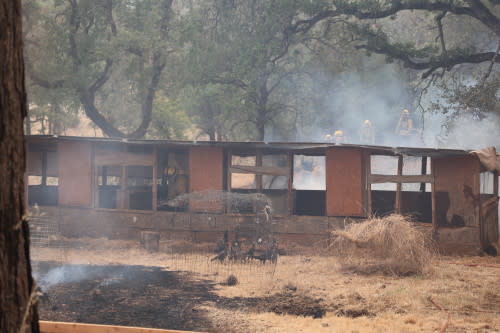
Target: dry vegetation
314,293
386,245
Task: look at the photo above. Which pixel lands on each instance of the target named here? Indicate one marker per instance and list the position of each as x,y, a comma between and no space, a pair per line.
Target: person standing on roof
405,124
367,133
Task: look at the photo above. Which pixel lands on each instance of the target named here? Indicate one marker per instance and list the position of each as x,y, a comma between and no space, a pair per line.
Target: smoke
467,132
376,92
379,93
75,273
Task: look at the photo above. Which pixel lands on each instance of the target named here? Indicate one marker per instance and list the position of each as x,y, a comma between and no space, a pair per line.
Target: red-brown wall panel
75,173
344,182
206,173
456,185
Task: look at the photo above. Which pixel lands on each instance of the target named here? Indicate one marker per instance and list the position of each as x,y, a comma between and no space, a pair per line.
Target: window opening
309,185
416,203
139,187
384,165
173,180
109,185
275,186
486,182
43,176
259,172
383,198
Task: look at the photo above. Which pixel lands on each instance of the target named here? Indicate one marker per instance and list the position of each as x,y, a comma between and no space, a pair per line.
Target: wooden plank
123,158
401,179
261,170
62,327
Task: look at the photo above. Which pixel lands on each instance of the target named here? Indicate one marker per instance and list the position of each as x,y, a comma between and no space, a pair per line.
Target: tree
18,312
373,39
240,44
106,56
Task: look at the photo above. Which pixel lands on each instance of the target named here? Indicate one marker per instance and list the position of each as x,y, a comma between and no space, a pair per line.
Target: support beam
397,204
374,179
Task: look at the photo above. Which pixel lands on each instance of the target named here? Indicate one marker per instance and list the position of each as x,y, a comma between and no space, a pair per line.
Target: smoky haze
380,93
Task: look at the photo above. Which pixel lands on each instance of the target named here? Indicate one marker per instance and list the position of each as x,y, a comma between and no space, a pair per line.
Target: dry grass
399,304
383,245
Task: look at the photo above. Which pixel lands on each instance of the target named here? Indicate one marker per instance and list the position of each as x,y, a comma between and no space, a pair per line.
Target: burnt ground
148,296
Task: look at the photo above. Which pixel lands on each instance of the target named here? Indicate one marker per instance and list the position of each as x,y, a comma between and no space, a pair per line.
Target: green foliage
169,120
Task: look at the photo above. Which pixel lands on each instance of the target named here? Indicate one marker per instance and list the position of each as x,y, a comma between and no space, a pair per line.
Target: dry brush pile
389,245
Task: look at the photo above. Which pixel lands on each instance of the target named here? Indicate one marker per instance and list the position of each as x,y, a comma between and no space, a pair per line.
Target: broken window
309,185
43,175
173,180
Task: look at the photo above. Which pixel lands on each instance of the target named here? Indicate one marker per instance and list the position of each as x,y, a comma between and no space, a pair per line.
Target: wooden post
123,200
290,183
368,167
423,172
155,178
433,204
228,202
397,207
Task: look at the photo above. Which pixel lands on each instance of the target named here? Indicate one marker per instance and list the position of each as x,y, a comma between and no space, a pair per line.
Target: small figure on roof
339,136
405,128
405,124
367,132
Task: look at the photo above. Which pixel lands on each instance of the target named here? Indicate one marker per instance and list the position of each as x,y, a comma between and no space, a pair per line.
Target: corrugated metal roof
296,146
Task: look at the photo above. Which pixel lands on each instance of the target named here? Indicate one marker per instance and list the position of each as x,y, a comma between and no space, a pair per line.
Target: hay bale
390,245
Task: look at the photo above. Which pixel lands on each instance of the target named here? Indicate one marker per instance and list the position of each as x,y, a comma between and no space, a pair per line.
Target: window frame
259,170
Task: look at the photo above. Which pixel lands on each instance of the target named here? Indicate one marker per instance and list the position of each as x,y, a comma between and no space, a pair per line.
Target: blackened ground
127,295
148,296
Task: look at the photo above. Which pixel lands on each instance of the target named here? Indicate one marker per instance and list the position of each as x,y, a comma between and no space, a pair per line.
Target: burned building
102,187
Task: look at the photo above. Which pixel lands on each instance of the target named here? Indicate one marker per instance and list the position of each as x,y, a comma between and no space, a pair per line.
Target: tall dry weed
390,245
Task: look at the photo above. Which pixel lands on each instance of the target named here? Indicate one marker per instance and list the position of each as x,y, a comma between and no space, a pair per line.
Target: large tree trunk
18,311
